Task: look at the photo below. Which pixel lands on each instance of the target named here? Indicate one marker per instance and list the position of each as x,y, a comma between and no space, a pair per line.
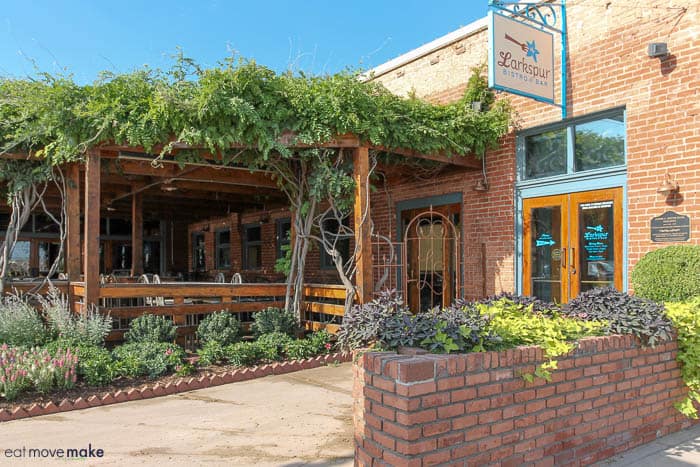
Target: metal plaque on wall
670,227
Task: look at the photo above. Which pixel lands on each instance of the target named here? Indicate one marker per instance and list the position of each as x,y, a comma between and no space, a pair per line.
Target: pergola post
73,222
91,255
136,234
363,232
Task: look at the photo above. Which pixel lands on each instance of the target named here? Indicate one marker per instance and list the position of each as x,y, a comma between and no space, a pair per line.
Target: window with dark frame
578,145
284,232
331,227
252,246
223,249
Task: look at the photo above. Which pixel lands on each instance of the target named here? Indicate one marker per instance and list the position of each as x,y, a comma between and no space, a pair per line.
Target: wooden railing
29,286
324,306
187,303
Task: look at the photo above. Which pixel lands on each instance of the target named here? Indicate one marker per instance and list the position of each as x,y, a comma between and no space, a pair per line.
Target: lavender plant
20,323
90,327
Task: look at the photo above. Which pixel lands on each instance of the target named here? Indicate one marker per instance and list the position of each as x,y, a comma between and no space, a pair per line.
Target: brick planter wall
608,396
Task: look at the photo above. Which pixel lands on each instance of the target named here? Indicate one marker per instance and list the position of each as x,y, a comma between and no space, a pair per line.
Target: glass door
596,246
545,237
572,243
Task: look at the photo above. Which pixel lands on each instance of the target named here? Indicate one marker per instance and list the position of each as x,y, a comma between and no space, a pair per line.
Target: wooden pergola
225,180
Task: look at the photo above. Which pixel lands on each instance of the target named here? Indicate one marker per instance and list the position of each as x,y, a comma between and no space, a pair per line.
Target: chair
103,281
143,279
236,278
220,278
157,301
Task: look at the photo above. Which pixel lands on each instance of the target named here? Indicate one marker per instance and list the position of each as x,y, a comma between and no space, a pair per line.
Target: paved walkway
301,418
297,419
676,450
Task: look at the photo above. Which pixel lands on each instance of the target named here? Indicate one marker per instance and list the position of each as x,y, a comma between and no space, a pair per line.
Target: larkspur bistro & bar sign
521,58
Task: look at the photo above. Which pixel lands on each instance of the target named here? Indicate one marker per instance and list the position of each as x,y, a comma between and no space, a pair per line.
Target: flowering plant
13,375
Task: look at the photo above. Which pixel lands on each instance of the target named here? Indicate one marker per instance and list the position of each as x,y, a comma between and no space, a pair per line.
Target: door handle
563,256
572,260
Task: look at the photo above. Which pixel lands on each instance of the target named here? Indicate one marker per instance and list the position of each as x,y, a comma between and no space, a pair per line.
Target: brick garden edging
181,385
608,396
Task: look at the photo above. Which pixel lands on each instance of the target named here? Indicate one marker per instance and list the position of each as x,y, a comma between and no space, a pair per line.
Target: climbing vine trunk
22,203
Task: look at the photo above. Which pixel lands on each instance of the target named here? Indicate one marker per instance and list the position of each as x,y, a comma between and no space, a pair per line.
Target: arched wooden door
431,262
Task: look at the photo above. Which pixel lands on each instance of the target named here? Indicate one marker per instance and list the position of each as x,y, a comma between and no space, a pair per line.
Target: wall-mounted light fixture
657,50
668,186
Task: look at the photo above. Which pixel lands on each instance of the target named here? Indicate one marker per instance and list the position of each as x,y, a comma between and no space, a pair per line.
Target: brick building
560,206
632,119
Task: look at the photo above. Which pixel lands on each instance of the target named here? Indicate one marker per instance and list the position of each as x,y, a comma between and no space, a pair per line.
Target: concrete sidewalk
302,418
679,449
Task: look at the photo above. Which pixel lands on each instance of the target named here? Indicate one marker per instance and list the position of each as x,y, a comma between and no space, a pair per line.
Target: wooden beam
136,234
73,222
212,188
468,161
363,240
230,175
91,255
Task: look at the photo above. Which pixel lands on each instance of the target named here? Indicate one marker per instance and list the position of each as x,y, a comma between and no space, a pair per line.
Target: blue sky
85,37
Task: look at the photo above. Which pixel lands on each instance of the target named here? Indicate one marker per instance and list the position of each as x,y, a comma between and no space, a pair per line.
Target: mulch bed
31,404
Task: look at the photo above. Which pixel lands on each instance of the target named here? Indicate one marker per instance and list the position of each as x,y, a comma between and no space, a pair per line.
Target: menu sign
670,227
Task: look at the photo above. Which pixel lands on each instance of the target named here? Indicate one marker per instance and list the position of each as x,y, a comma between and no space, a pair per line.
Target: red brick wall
486,218
608,67
608,396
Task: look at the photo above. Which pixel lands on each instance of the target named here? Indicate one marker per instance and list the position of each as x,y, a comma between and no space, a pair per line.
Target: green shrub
185,369
686,320
95,365
624,313
300,349
670,274
211,353
222,327
150,359
244,353
20,323
89,327
315,344
320,342
273,344
150,328
274,320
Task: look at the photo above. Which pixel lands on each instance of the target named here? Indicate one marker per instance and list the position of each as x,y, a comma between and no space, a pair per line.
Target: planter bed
32,404
607,396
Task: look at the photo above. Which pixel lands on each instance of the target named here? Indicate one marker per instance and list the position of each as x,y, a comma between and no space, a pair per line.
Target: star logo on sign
532,50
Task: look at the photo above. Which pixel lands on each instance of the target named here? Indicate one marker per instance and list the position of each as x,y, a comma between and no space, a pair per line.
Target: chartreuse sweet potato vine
686,319
555,334
237,101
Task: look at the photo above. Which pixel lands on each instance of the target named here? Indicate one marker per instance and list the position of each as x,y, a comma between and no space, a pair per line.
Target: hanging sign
670,227
521,58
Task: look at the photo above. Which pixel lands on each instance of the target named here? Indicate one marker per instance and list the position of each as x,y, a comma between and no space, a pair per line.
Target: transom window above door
578,145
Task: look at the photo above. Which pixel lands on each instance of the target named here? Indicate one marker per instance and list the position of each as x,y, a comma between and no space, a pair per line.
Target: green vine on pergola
236,103
245,113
